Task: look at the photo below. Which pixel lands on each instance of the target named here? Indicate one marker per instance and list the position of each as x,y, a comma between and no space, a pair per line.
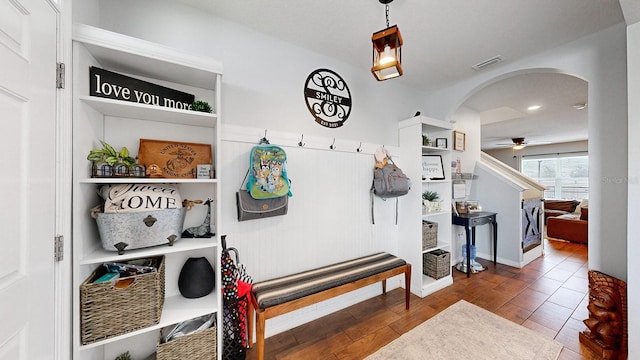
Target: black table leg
469,249
495,242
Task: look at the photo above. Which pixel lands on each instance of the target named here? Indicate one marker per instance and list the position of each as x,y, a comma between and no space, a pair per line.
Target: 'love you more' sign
110,85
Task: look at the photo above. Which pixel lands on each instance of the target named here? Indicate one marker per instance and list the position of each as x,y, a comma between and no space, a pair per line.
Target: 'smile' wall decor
111,85
328,98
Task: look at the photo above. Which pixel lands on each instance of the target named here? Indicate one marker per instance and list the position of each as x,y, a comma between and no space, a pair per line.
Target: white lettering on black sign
110,85
328,98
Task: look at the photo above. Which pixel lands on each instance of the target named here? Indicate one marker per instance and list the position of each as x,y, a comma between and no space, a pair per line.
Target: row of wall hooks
237,133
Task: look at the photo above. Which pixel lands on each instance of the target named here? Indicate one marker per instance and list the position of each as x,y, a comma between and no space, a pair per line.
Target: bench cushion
277,291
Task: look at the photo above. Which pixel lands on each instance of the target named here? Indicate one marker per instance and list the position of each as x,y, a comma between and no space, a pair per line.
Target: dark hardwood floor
549,296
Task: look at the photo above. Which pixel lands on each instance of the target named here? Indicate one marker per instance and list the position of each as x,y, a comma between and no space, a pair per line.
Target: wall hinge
60,76
58,248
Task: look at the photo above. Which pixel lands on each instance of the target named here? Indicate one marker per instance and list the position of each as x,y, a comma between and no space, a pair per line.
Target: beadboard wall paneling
329,218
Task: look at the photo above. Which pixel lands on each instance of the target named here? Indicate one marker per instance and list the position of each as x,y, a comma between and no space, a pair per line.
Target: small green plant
124,356
110,156
430,195
425,140
200,105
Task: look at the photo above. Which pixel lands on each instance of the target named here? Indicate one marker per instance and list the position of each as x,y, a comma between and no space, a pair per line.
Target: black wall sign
328,98
107,84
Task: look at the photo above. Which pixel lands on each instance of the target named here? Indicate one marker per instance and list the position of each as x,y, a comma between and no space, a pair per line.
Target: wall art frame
441,143
432,167
459,140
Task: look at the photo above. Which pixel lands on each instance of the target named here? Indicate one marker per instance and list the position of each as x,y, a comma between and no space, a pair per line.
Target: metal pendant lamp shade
387,50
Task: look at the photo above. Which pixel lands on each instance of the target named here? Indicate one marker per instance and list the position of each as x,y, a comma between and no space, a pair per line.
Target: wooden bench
279,296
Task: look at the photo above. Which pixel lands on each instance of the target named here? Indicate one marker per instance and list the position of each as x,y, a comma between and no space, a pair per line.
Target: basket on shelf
112,308
436,263
429,234
201,345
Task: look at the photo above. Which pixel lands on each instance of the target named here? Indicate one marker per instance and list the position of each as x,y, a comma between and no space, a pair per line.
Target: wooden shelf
131,110
182,244
131,180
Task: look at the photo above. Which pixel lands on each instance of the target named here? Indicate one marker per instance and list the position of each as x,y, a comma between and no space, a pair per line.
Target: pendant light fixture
387,50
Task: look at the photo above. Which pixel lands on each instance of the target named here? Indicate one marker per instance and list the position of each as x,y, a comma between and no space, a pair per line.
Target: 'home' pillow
127,198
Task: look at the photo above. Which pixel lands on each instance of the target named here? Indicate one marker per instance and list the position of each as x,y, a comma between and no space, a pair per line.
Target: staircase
518,201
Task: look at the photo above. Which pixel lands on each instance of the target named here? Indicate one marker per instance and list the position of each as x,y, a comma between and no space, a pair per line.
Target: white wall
467,121
329,213
600,59
263,77
633,225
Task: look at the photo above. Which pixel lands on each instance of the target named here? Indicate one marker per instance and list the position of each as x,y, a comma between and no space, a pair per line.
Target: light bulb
386,56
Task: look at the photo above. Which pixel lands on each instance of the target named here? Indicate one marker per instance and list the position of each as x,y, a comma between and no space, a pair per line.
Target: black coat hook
359,147
300,143
333,145
264,140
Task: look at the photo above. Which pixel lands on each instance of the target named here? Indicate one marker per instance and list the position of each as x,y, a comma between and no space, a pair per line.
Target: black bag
250,208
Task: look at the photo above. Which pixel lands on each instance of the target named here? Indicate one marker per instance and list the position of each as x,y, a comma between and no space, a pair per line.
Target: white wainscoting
329,218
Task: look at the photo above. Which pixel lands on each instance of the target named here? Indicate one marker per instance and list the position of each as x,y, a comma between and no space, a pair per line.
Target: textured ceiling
443,39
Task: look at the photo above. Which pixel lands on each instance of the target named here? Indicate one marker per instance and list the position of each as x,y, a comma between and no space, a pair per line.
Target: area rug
466,331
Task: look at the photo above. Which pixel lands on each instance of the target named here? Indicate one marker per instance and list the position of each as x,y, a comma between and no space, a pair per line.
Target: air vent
483,64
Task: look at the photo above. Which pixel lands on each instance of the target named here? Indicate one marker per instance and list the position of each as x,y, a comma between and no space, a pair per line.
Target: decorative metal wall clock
328,98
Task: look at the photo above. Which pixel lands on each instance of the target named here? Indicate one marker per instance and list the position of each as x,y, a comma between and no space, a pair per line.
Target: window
566,177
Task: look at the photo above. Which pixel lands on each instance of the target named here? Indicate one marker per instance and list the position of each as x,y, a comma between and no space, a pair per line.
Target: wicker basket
436,263
201,345
107,311
429,234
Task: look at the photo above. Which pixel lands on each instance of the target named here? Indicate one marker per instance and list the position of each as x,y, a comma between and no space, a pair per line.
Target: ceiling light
534,107
580,106
387,54
518,143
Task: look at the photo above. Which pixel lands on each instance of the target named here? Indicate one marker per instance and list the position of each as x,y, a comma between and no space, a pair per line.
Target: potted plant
202,106
426,141
107,162
429,200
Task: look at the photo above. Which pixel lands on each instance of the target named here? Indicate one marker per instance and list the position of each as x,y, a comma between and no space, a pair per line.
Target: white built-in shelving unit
412,213
122,123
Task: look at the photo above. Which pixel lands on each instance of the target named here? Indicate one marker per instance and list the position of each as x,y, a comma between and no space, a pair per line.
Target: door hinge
60,76
58,248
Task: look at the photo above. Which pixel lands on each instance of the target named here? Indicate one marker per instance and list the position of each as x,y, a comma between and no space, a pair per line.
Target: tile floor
548,295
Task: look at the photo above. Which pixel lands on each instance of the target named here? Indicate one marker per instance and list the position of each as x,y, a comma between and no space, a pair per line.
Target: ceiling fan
519,143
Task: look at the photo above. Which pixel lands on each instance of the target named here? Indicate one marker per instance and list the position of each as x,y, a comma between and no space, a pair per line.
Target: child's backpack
267,173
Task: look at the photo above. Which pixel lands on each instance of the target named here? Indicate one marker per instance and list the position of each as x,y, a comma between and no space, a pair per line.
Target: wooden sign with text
111,85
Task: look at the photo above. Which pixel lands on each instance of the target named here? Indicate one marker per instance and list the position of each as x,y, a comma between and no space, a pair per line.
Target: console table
470,221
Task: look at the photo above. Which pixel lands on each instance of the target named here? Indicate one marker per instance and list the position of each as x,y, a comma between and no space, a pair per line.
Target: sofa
568,225
559,207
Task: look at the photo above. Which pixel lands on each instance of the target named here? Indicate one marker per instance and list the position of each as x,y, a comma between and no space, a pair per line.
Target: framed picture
432,168
459,139
441,143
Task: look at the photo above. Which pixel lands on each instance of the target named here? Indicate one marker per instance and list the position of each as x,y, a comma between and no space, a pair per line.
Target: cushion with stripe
280,290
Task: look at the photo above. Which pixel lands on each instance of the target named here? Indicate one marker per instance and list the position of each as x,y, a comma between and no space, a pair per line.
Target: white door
27,178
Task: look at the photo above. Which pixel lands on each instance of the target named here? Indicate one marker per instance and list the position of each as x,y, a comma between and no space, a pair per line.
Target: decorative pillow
584,213
127,198
583,204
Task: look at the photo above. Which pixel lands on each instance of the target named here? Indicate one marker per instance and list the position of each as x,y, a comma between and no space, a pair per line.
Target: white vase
428,205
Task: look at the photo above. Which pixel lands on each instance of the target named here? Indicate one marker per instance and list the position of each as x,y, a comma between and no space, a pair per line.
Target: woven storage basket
436,264
201,345
429,234
107,311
